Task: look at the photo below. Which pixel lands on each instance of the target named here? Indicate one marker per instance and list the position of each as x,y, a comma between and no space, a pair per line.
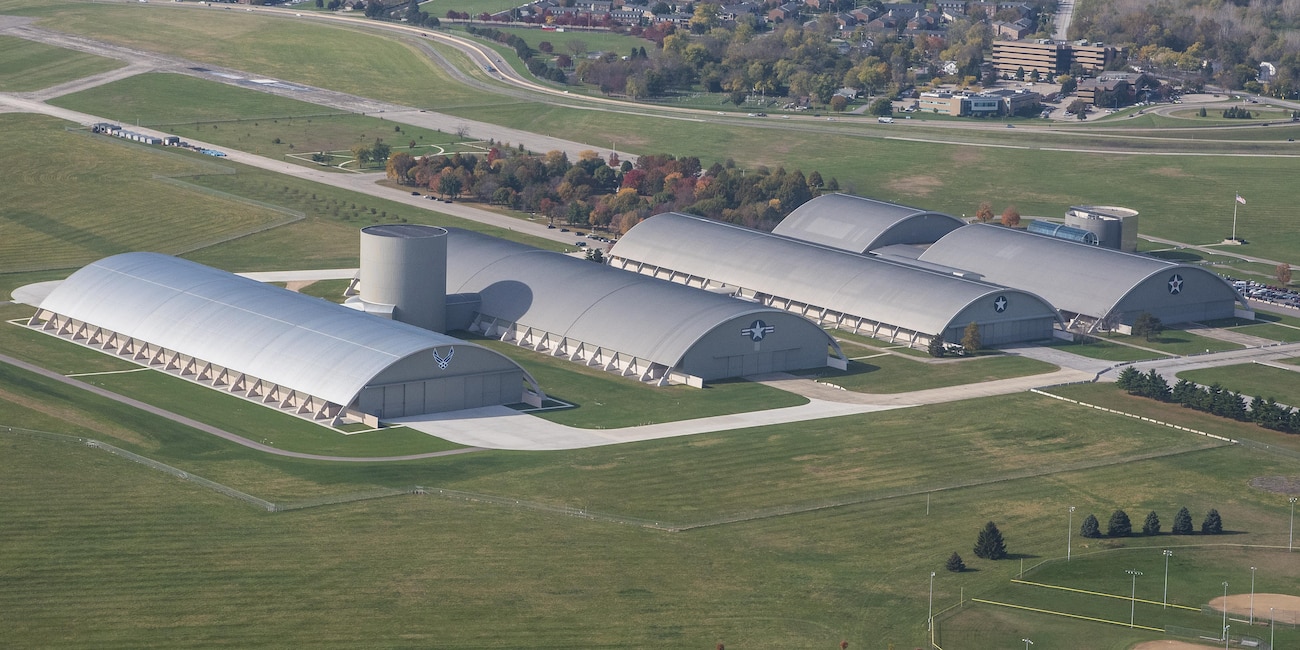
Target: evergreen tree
1212,525
1184,392
936,349
1091,528
1182,522
955,563
1152,525
970,339
1119,525
990,544
1128,379
1156,387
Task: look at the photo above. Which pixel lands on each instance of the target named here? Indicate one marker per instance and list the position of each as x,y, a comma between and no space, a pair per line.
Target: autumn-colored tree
1011,217
985,212
362,153
1284,273
398,167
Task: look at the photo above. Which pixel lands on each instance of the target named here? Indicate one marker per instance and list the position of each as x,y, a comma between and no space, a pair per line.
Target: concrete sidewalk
499,427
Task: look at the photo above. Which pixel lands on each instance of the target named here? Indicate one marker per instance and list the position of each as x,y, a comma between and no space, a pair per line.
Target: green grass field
205,212
440,8
606,401
27,65
306,52
1108,396
1178,342
1100,348
796,536
1195,577
160,99
1272,331
892,374
796,581
252,121
597,41
1250,380
59,215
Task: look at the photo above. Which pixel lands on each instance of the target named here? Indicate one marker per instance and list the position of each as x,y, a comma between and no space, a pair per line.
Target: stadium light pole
1132,609
1168,553
1069,534
1272,627
929,620
1225,614
1226,636
1252,595
1291,537
1027,643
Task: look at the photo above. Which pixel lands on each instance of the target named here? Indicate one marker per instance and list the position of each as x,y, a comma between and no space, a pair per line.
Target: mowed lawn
1108,396
161,99
1100,348
71,198
1251,379
27,65
604,400
308,52
893,374
153,560
252,121
1196,575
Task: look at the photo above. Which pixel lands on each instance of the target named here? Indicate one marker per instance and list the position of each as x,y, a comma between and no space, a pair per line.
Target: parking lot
1280,296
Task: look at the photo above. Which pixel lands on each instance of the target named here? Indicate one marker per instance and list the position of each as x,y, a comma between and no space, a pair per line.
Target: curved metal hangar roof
857,224
778,270
696,332
299,342
1080,279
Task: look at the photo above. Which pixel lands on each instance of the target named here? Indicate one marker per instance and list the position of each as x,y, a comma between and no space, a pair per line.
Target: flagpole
1234,217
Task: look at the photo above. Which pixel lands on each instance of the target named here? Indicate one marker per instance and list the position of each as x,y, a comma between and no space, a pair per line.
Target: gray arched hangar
863,294
301,354
1093,287
622,322
858,224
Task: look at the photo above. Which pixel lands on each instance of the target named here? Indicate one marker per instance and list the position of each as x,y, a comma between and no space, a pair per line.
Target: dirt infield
1171,645
1286,608
1277,484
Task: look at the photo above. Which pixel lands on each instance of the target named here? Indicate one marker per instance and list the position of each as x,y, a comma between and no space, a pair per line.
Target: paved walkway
1231,336
1170,367
503,428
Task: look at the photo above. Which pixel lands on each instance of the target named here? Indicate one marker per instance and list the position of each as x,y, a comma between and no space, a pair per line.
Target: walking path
1223,334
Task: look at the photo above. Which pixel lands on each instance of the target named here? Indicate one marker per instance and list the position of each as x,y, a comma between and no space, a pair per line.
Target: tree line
1121,526
1214,399
608,193
1223,43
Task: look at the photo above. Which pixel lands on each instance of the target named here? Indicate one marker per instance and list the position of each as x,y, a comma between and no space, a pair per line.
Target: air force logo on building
758,330
1000,305
442,361
1176,284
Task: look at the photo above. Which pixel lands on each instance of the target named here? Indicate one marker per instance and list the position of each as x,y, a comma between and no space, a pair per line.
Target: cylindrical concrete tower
405,265
1114,226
